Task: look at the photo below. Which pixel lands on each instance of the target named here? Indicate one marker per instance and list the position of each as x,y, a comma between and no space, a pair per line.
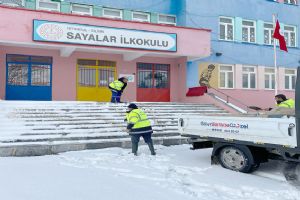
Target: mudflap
214,160
291,172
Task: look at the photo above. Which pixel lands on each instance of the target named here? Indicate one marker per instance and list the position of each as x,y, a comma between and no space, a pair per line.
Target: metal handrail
230,97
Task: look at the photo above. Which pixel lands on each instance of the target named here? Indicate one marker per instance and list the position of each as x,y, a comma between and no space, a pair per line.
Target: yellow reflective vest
139,119
290,103
117,85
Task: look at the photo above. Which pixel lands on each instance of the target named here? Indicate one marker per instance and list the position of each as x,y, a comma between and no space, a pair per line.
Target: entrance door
93,78
28,77
153,82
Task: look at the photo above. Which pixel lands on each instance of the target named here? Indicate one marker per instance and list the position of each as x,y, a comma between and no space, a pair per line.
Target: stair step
70,138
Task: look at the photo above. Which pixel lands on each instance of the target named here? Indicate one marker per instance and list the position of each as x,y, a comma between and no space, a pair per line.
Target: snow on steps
39,128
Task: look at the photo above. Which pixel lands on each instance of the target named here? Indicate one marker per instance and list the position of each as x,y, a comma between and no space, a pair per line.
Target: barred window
17,74
40,75
106,76
153,75
145,75
86,76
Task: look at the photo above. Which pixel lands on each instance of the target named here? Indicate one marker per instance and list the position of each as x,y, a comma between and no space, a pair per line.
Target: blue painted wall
205,13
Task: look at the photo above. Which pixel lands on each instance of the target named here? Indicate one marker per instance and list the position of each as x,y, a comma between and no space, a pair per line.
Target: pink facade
16,38
260,96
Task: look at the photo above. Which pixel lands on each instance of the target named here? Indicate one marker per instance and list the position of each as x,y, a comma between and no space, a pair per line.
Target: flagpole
275,58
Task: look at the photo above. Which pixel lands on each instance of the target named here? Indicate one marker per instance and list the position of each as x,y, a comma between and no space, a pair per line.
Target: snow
175,173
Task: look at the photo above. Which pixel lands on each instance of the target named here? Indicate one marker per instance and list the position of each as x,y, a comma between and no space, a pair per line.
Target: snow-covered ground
176,173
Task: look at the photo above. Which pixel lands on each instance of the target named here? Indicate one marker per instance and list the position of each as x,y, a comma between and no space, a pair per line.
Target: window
17,74
153,75
29,70
105,76
86,76
40,75
13,3
248,31
48,5
290,79
226,28
226,76
112,13
249,77
294,2
269,78
141,17
268,34
290,35
81,9
167,19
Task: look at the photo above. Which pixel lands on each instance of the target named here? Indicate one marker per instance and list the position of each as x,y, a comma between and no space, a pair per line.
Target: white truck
242,143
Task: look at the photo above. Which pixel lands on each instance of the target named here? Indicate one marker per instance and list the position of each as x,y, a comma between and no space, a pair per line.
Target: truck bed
258,130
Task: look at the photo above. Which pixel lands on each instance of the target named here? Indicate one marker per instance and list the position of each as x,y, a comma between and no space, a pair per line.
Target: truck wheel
237,159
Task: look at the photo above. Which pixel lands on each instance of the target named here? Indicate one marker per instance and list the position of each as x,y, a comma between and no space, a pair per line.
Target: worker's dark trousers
135,138
115,96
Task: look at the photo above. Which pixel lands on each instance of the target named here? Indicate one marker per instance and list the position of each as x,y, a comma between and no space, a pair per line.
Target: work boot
134,148
151,147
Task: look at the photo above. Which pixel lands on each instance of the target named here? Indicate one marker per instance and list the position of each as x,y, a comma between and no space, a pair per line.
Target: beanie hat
133,106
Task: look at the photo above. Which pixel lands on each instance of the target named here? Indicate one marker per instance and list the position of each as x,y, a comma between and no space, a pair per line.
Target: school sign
49,31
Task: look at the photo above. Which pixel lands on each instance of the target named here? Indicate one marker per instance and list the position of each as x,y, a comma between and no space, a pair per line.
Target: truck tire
237,158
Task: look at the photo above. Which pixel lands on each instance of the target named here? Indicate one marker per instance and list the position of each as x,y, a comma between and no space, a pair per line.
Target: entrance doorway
28,77
93,78
153,82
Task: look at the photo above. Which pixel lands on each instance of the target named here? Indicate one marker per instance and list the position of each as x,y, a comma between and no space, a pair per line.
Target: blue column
260,32
192,79
238,29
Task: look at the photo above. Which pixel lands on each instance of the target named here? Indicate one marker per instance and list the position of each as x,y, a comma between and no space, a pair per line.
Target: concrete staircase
40,128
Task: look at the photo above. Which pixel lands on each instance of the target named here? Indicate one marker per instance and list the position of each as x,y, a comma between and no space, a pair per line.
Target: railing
230,101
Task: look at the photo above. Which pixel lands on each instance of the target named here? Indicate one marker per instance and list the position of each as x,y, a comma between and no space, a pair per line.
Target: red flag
277,35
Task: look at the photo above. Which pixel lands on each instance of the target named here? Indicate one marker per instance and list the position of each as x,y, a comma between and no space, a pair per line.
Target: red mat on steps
196,91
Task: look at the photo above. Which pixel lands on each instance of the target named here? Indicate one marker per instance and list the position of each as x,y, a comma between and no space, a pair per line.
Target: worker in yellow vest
139,126
282,101
284,106
117,87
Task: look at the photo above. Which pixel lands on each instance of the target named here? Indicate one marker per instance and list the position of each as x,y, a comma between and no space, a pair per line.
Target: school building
49,52
71,50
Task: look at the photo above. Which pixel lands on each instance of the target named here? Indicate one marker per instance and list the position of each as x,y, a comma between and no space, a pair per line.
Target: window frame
226,28
290,79
288,41
82,13
12,4
270,80
140,13
169,23
290,3
249,31
270,31
249,77
110,16
48,9
226,76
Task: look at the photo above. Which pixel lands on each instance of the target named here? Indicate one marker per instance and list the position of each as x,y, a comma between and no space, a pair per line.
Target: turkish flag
277,35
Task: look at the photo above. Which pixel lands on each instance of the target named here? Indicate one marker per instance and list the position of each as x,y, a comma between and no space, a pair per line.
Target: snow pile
175,173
